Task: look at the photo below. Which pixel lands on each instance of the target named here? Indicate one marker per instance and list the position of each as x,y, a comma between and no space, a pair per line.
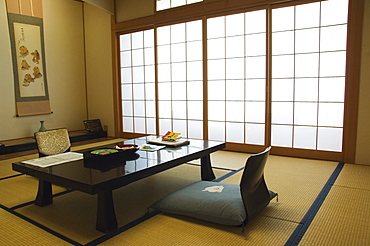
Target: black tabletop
94,179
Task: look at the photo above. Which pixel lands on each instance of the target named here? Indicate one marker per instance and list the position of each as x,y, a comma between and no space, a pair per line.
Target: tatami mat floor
343,217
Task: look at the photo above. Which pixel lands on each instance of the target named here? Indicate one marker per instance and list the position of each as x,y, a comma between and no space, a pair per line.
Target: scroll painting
26,34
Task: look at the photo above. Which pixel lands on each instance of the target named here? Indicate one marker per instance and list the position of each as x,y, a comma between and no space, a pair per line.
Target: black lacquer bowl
128,148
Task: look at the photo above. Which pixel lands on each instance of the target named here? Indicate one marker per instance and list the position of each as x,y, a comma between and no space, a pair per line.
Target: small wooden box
104,161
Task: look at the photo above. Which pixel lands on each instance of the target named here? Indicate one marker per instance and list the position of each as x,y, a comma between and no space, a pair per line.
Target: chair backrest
253,187
52,142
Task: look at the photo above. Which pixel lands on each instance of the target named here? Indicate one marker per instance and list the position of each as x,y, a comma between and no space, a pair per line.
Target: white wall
99,66
129,9
107,5
65,68
7,97
64,49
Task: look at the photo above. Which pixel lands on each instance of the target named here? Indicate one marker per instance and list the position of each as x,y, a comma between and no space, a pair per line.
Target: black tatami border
12,176
31,202
301,229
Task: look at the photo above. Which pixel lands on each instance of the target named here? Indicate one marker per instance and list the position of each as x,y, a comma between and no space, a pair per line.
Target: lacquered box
103,161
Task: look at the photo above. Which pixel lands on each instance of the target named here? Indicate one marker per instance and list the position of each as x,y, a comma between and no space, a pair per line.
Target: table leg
106,216
44,194
206,168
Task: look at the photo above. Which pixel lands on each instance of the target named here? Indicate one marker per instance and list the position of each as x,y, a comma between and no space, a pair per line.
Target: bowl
128,148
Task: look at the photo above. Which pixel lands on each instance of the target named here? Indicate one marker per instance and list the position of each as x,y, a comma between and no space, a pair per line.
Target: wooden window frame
209,9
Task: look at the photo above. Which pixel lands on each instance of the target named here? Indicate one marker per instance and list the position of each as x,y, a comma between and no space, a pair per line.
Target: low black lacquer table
77,176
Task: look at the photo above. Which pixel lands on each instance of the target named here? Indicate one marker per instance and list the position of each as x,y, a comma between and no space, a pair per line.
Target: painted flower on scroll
25,65
23,51
27,80
36,72
36,57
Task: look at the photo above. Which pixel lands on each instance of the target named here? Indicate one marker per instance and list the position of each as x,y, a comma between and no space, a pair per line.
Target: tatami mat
298,182
342,220
21,189
6,165
354,176
74,214
227,159
171,230
16,231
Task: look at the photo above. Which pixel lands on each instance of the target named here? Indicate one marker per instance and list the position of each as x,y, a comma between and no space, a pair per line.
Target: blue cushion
210,201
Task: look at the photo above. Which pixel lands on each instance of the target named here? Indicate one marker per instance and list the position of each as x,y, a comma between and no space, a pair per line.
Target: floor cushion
219,203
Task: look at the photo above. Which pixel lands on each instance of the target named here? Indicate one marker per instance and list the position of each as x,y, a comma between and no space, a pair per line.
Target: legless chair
52,142
222,203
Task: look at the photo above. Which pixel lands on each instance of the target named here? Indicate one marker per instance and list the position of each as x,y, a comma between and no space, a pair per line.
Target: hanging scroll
27,42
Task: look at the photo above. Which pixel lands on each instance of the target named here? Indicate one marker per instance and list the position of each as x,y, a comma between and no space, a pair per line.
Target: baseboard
32,145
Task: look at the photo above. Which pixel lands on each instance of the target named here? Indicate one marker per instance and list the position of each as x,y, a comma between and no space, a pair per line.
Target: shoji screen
237,77
308,75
